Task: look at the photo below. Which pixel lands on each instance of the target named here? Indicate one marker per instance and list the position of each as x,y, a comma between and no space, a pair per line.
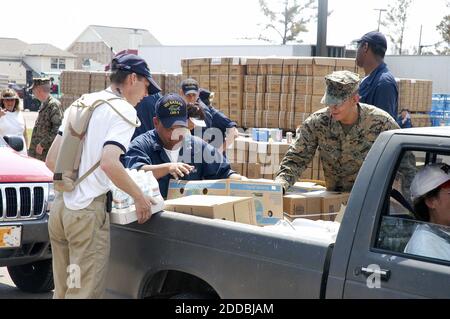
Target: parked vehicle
184,256
26,193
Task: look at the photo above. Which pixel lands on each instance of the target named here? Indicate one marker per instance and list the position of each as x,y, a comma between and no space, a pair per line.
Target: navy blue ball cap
374,37
135,64
171,110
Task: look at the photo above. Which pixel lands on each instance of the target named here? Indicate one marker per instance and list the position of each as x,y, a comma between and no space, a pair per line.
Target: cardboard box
248,118
224,101
181,188
261,84
236,83
345,64
273,84
302,204
304,85
323,66
332,201
249,101
287,102
260,101
259,116
253,170
204,82
288,84
302,103
237,70
252,65
250,83
319,85
223,83
240,209
235,100
272,102
273,66
305,66
290,66
267,195
214,81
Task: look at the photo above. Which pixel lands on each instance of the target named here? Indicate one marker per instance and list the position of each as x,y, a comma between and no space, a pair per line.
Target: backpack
65,177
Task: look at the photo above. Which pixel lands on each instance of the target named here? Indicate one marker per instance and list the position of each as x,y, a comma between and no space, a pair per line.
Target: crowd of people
182,136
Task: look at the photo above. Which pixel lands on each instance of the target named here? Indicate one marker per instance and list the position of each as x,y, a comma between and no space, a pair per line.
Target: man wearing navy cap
214,119
169,151
79,220
379,87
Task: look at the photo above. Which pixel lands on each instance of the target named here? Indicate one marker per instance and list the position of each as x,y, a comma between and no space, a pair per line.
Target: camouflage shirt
341,155
46,127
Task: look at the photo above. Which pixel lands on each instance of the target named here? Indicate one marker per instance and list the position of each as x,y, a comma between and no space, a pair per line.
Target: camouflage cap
40,81
340,86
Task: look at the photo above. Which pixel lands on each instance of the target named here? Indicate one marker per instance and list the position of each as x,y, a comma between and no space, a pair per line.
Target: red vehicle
26,193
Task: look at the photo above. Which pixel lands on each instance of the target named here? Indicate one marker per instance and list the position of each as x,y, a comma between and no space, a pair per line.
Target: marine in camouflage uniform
342,148
47,123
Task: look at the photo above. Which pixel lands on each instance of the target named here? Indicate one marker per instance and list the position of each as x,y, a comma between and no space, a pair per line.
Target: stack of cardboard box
271,92
316,205
225,77
267,195
262,159
416,96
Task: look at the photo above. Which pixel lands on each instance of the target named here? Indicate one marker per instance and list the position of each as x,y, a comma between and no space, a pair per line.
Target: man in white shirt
79,223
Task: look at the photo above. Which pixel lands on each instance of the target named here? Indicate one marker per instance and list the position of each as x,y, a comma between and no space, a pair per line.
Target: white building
96,45
18,57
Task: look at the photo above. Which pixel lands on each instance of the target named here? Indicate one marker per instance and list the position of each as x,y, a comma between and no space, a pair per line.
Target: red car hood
16,168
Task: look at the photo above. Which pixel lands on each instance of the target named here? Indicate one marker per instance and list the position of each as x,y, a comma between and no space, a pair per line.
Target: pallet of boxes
416,96
267,95
273,92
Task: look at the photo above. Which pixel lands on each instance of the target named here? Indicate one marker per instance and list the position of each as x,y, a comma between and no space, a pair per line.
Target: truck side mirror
15,142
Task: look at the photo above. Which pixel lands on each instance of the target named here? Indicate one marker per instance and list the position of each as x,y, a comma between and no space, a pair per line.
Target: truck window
403,230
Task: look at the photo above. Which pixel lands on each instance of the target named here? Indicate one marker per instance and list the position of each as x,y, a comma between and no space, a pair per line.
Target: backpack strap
94,105
99,102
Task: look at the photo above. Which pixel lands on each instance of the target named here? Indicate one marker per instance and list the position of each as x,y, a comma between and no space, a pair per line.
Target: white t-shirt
425,242
105,127
173,155
13,123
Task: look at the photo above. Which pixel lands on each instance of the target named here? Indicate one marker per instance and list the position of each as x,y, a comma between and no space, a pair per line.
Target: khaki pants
80,242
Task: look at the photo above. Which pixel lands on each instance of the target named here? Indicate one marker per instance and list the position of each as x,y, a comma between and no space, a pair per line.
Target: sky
204,22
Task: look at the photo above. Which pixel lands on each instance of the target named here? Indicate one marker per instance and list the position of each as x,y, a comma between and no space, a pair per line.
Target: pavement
9,291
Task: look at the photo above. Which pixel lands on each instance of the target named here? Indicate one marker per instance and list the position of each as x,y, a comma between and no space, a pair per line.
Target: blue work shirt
215,119
147,149
146,112
381,90
407,123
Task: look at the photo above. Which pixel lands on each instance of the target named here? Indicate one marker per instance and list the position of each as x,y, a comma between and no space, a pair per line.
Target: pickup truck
183,256
26,192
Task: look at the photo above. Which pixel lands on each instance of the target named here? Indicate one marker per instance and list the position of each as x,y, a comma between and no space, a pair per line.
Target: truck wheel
36,277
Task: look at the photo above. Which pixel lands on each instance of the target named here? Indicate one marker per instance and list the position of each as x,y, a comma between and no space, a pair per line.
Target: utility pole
420,41
379,17
321,47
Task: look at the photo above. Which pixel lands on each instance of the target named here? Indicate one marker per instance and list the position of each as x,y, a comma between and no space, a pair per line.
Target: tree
444,30
395,21
288,22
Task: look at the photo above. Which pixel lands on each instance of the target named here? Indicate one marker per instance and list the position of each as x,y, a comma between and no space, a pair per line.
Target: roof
443,131
11,47
119,38
45,49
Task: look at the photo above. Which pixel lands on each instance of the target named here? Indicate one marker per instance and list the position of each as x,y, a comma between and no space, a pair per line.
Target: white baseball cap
429,178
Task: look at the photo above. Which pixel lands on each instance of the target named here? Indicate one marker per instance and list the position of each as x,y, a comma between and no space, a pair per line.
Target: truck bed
236,260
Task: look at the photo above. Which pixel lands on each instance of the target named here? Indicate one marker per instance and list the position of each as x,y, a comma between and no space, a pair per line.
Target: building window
58,64
54,63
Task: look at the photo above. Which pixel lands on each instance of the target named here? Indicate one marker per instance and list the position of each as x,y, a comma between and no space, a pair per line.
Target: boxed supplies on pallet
239,209
180,188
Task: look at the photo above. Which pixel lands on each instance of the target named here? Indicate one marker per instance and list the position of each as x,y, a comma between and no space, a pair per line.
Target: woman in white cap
430,191
11,117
